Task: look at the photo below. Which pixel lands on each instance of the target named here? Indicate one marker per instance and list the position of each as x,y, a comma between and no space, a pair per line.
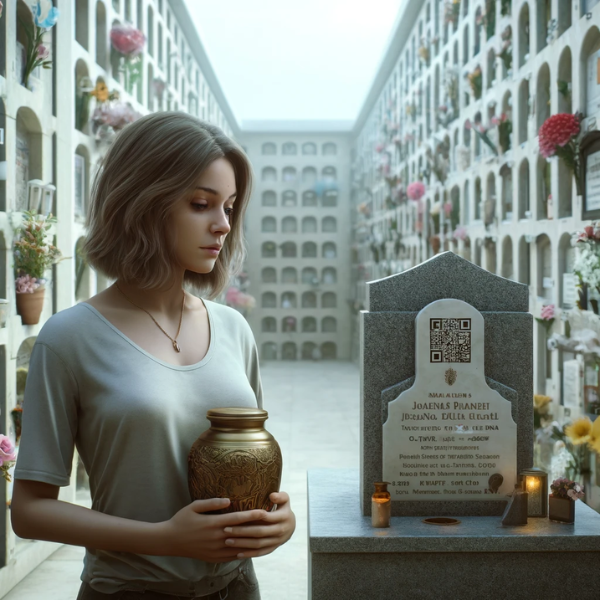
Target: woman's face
202,222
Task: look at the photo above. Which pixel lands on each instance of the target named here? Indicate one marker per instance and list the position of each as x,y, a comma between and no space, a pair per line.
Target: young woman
128,376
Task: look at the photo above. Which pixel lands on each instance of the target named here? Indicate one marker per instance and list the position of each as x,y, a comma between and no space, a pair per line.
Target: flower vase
435,242
561,510
30,305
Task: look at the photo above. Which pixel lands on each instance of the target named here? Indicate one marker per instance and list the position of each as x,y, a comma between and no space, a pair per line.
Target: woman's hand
260,538
192,534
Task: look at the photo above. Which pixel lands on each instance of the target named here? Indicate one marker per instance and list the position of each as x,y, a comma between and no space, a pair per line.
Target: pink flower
26,284
548,312
447,209
231,297
460,233
43,52
495,121
557,130
127,40
416,190
7,450
589,231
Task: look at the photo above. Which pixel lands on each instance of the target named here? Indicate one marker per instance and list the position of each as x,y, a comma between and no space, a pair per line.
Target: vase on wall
561,510
235,458
30,305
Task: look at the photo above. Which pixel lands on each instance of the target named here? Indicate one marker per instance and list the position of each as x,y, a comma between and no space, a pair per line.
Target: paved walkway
314,414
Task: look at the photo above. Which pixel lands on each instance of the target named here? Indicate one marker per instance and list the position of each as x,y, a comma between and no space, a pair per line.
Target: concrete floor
314,415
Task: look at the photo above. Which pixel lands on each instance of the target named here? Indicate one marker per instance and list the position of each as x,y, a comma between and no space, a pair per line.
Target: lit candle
536,485
381,505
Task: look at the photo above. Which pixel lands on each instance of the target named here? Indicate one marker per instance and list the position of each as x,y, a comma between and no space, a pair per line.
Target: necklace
176,346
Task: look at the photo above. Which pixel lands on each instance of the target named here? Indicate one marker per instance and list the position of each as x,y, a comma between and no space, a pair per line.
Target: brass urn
237,458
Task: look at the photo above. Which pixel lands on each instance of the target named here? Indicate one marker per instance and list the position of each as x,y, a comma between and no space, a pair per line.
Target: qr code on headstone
450,340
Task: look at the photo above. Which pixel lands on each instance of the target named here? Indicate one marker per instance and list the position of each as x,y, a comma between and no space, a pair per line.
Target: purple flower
43,52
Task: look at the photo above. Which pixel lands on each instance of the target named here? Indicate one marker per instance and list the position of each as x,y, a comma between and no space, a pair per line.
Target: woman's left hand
262,537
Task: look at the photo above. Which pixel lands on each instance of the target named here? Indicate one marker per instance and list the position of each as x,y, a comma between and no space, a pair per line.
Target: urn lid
236,413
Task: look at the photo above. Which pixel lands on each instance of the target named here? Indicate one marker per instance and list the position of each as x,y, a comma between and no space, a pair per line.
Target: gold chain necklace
176,346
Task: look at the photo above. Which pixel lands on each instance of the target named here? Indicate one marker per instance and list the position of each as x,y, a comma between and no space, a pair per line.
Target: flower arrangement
452,11
475,79
505,7
37,53
578,439
558,136
564,88
483,133
460,233
110,117
541,410
7,456
565,488
505,51
451,88
415,190
547,316
489,18
505,127
423,52
33,253
128,42
587,260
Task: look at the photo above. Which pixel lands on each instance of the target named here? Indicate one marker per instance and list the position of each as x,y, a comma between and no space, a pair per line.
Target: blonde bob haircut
152,164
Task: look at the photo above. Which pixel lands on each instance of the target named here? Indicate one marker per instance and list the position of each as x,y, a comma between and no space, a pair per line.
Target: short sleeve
49,419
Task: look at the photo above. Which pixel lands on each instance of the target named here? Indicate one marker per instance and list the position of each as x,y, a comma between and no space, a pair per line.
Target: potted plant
562,500
33,254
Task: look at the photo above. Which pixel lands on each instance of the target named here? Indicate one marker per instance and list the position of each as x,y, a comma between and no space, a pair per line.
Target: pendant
176,346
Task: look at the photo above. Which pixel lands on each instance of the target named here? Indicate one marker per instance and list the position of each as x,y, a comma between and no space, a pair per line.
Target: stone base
349,560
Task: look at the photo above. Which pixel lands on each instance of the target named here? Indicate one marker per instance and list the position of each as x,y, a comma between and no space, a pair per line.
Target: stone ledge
336,525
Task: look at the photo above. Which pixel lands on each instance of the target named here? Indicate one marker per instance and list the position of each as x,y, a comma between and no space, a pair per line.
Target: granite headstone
499,379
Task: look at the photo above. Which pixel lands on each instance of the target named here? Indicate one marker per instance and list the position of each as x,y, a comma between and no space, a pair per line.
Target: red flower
557,130
127,40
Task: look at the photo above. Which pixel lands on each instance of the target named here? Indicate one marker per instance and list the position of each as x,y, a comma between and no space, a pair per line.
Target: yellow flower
100,92
541,404
594,442
579,432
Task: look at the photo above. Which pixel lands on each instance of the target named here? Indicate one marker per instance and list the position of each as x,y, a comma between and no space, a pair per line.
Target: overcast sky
303,59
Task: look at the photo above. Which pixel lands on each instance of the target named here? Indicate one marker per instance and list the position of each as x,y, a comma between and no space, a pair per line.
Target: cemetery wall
45,137
500,205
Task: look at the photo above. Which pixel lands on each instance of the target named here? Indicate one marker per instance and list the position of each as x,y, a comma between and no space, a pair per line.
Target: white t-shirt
133,419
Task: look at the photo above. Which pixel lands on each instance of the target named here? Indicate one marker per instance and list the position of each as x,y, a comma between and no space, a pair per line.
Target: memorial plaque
450,436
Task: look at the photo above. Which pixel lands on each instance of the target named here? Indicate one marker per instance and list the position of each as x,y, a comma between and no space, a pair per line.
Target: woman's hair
152,164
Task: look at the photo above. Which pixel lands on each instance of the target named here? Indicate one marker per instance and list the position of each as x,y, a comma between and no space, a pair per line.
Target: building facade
298,234
49,135
456,105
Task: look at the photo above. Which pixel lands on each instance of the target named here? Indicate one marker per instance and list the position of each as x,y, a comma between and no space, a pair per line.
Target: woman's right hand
192,534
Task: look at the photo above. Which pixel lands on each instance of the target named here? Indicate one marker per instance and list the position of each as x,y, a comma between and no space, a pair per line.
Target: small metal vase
237,459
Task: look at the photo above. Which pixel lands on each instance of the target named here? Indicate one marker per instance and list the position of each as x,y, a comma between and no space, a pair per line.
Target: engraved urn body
237,459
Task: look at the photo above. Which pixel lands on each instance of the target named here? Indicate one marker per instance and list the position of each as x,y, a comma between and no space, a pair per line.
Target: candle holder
47,199
381,505
34,194
535,483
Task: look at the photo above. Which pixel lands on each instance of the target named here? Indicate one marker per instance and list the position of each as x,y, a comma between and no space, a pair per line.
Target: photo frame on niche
590,161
